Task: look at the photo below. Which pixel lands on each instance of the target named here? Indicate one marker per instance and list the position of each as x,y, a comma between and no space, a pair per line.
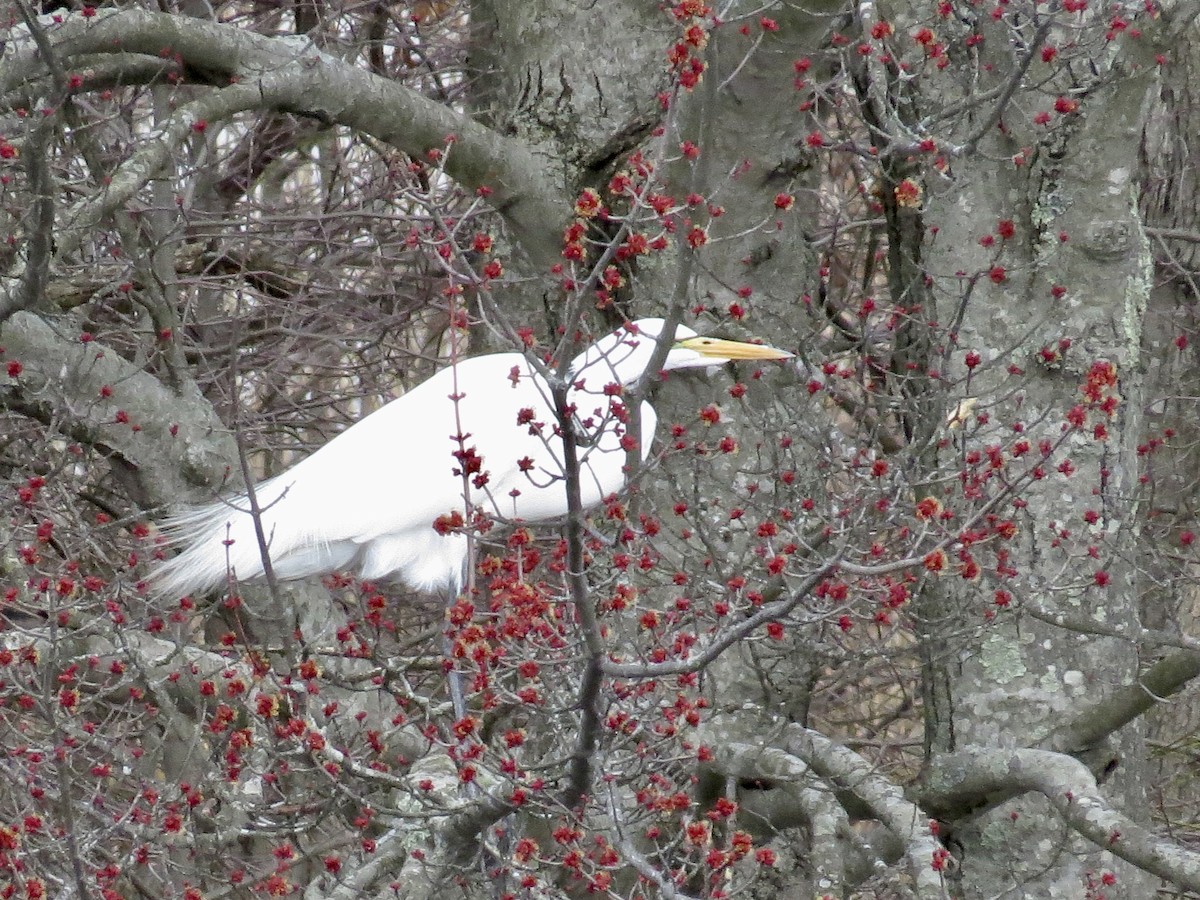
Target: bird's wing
387,477
371,495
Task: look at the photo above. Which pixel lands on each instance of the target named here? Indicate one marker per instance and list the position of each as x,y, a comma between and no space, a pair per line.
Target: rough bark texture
1076,205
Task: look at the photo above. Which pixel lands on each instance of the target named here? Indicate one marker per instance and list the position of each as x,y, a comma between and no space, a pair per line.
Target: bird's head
625,355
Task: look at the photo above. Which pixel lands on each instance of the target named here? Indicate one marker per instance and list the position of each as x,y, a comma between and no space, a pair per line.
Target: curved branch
425,874
1072,791
907,821
98,73
803,798
291,74
178,444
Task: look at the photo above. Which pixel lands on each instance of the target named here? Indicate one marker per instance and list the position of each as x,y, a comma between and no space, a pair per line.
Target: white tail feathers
216,545
219,542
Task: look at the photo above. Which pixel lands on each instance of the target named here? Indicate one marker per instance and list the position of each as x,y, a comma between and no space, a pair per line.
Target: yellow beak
716,348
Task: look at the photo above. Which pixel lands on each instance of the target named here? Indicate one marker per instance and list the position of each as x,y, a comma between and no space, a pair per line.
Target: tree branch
1071,790
291,74
179,443
36,271
803,795
909,822
768,612
1098,720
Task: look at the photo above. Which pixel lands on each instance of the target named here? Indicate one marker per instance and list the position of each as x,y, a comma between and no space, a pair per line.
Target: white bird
367,501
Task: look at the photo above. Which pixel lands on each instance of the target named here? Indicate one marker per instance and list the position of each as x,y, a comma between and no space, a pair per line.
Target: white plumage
367,501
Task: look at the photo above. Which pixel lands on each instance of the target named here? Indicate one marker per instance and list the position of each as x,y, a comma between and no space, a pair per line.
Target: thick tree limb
798,792
1097,721
62,380
984,777
909,822
423,868
1071,790
291,74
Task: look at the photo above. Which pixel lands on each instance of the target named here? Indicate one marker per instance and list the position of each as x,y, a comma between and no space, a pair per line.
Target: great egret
367,500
